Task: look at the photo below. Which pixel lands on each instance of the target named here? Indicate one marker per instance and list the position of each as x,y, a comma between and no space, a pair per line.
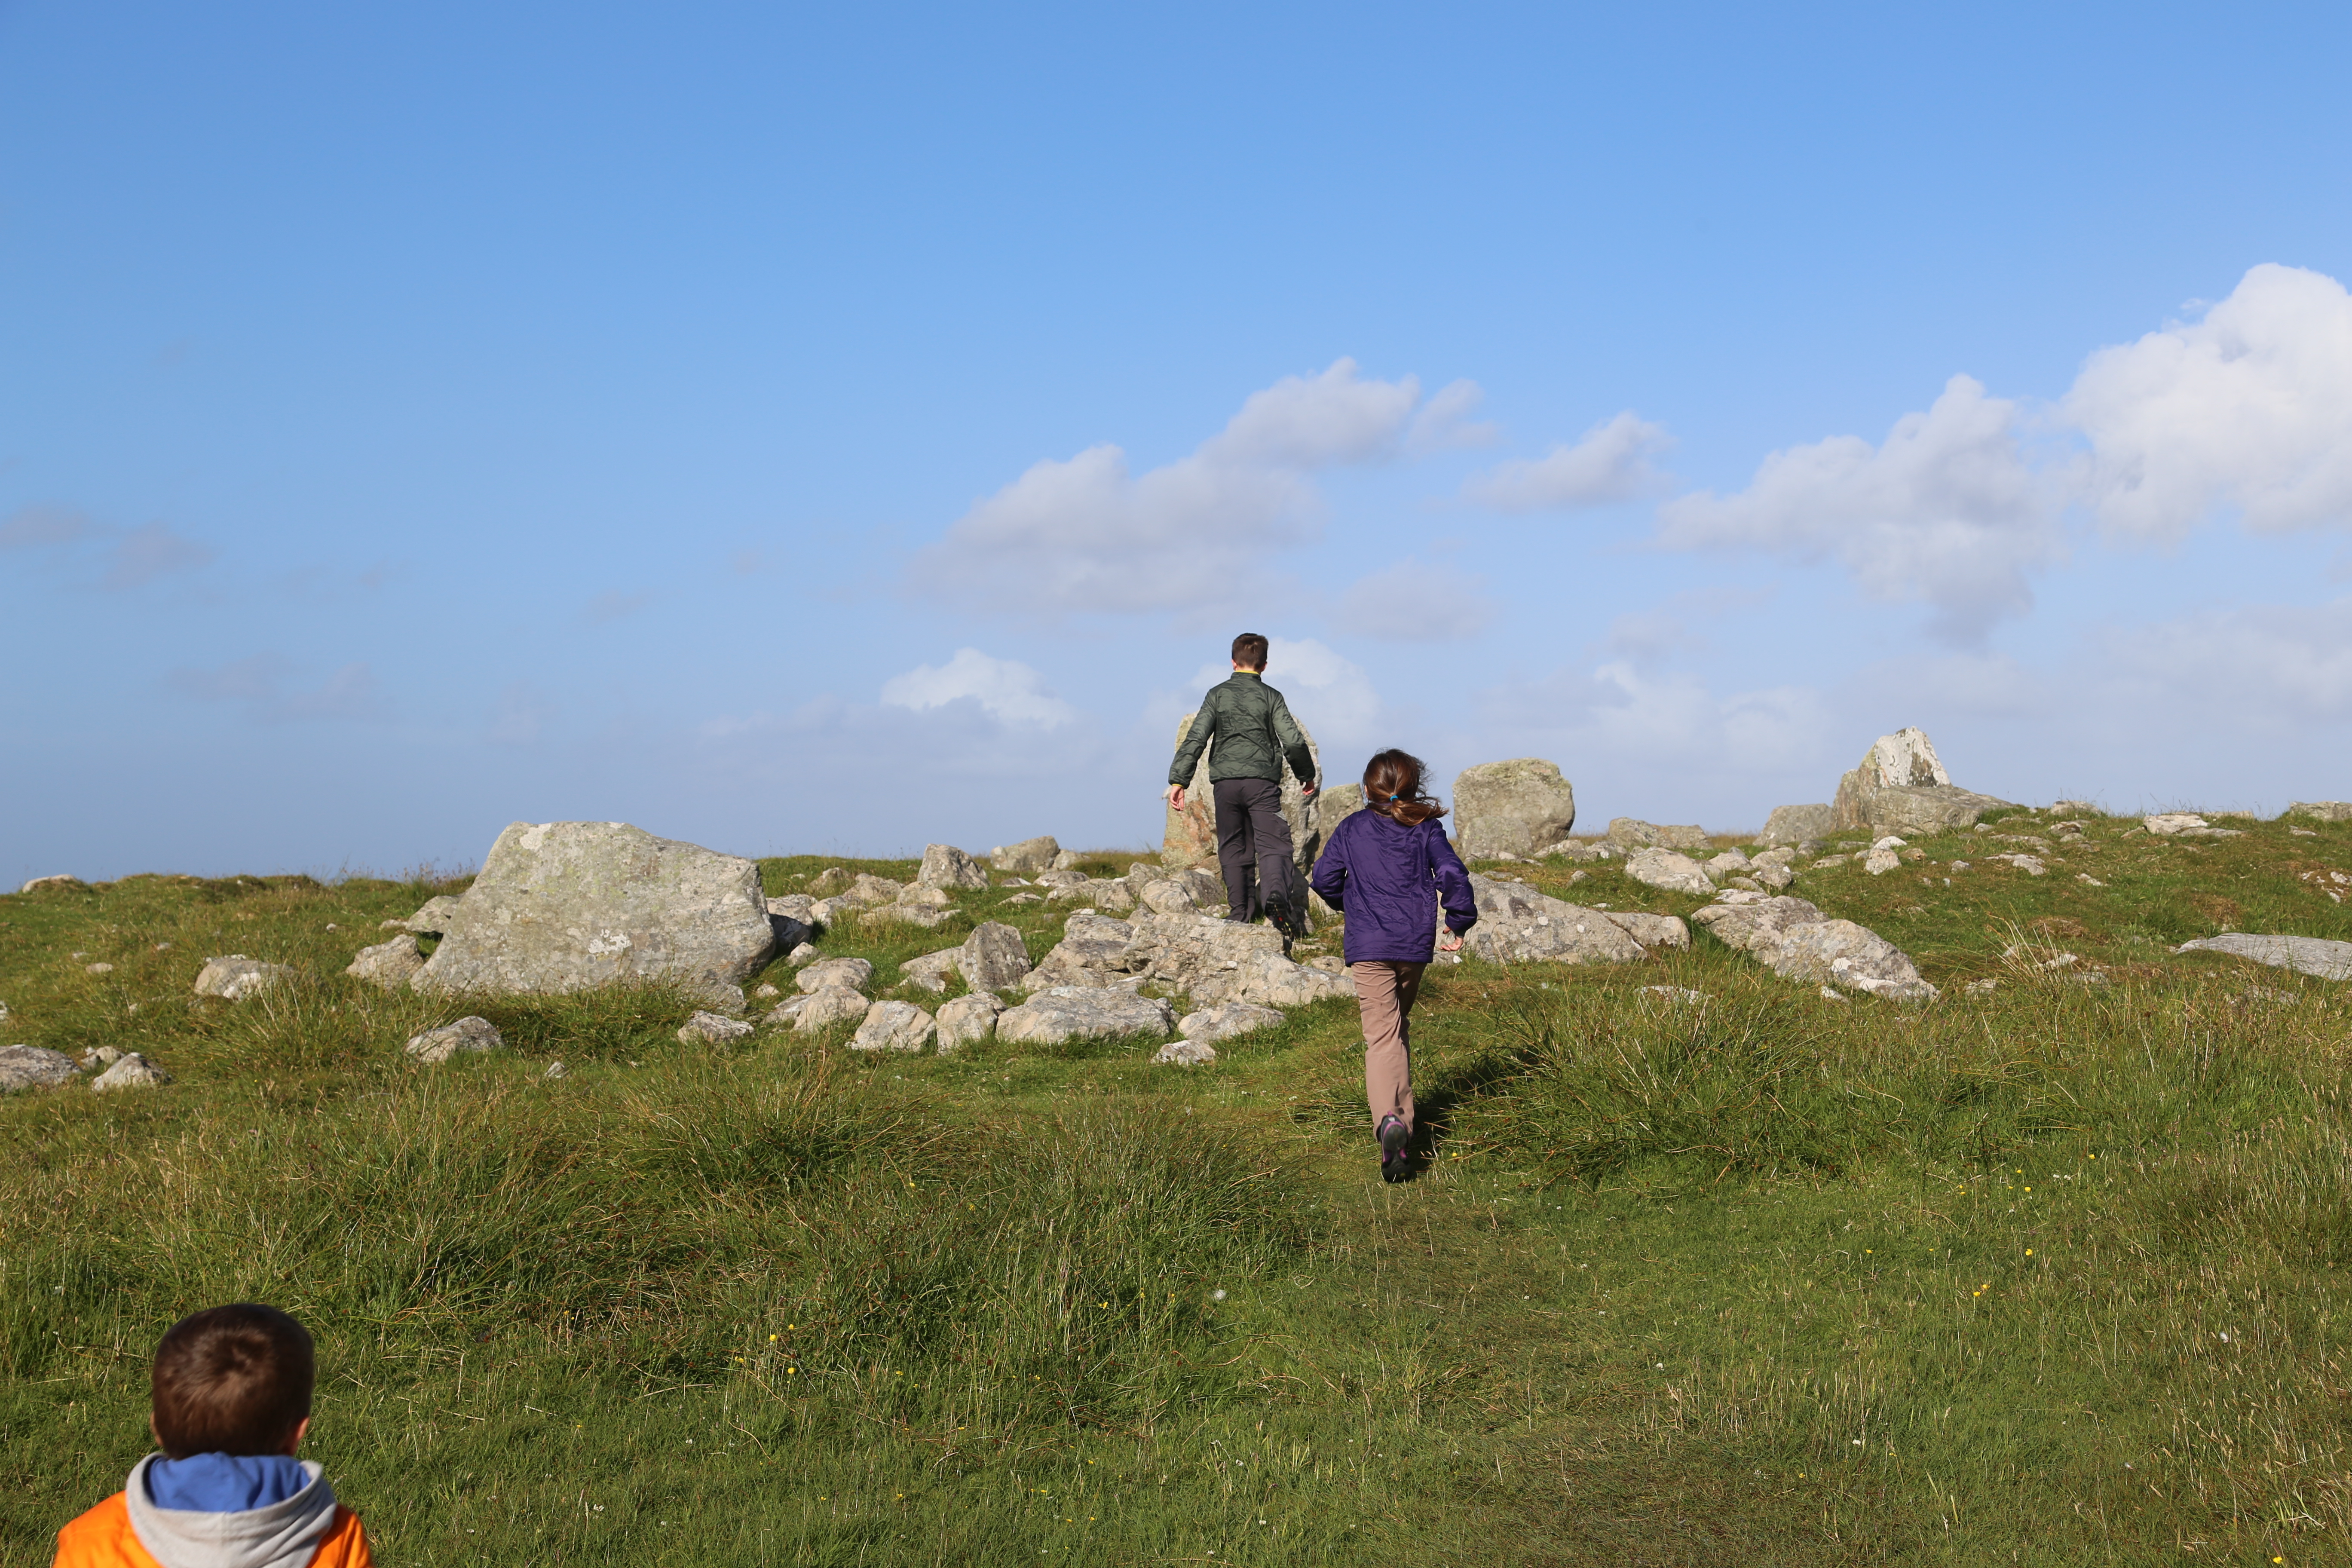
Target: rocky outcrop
1795,939
469,1033
1901,787
34,1067
1799,825
234,977
2304,955
390,964
2187,824
945,865
1515,808
1189,838
569,906
1066,1012
1664,868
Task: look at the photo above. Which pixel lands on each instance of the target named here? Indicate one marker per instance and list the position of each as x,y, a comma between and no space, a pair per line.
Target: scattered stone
37,883
1774,875
555,1070
931,970
2083,876
1028,858
1650,931
1092,948
34,1067
1632,833
99,1057
1901,787
994,956
1511,807
807,953
850,973
967,1020
2304,955
1114,896
1185,1054
2029,864
568,905
1019,898
1576,849
390,964
1794,825
1828,994
2303,832
1729,863
869,892
766,993
468,1034
434,916
710,1029
1062,878
1226,1021
1984,987
98,969
1878,862
2165,824
827,1006
1664,868
945,865
1959,865
1063,1013
130,1071
234,977
1827,861
2321,810
893,1026
1168,898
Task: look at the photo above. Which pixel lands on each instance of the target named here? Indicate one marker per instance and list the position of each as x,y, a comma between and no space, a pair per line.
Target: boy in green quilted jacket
1255,735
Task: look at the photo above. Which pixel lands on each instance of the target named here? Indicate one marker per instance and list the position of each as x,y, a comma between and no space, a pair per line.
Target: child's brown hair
232,1379
1392,788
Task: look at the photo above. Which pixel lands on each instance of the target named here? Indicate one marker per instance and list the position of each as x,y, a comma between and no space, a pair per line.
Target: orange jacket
103,1538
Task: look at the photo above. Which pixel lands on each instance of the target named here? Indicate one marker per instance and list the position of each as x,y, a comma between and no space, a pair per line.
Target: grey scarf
283,1535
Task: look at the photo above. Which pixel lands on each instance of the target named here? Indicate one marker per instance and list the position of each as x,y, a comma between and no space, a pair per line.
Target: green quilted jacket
1253,731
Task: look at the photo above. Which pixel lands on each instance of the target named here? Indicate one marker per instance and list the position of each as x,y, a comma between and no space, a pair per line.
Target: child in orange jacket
231,1405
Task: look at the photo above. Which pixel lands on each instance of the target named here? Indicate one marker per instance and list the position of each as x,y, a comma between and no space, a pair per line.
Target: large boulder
1511,808
1798,824
945,865
34,1067
1334,806
1901,787
1519,925
569,906
1189,838
1795,939
1064,1013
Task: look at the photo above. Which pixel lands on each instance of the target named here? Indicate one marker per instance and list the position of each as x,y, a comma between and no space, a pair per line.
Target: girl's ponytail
1392,788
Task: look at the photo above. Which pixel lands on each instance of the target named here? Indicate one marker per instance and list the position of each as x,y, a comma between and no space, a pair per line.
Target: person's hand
1306,792
1176,797
1450,943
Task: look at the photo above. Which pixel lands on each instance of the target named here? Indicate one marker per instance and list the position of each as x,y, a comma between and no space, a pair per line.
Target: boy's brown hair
232,1379
1249,652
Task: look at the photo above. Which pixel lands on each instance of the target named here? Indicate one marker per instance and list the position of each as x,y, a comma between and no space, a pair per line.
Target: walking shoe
1288,919
1394,1136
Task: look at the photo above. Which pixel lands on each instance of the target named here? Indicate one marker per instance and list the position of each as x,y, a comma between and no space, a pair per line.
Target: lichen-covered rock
468,1034
824,1007
945,865
569,906
1722,867
893,1027
1089,952
1197,953
1664,868
1028,858
711,1029
931,970
1270,980
994,956
1901,786
1513,807
129,1070
854,973
234,977
434,917
1795,939
1653,931
390,964
34,1067
1799,823
1519,925
1224,1021
2321,810
967,1020
1064,1013
1629,833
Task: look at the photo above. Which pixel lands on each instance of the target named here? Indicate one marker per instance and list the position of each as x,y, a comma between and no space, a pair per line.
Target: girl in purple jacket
1387,868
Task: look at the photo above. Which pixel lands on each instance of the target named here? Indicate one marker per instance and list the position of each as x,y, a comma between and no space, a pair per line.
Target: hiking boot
1394,1136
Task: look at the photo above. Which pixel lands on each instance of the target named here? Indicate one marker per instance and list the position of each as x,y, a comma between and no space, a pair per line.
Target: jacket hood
283,1535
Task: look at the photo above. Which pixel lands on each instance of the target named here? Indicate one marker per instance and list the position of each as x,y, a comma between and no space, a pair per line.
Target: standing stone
967,1020
33,1067
993,957
469,1033
1335,806
1798,824
1901,787
1189,838
1511,808
893,1027
1028,858
945,865
569,906
1666,869
129,1070
235,977
390,964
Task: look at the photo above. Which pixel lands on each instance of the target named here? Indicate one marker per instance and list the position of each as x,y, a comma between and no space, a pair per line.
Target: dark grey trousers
1252,845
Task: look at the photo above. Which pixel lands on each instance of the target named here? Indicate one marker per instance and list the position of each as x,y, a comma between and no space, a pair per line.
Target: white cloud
2250,409
1444,423
1328,693
1085,534
1948,510
1009,691
1417,601
1612,462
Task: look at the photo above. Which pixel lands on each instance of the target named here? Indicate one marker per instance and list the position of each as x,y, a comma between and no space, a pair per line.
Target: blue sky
799,430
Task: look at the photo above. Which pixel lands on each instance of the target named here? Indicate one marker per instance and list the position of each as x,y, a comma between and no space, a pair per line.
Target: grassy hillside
2052,1273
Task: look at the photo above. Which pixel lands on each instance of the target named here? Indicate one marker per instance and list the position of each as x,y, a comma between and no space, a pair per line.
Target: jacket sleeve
1329,879
1196,741
1454,889
1294,743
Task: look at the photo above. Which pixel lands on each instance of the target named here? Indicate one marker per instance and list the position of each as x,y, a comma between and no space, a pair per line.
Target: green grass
1762,1280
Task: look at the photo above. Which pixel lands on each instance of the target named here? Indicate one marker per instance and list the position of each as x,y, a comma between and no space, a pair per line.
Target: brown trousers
1384,994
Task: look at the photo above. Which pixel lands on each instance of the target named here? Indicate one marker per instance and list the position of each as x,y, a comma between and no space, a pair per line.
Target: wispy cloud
261,684
1003,688
1612,461
133,557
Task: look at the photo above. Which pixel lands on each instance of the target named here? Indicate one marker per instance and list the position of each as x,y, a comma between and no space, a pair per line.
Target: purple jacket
1386,878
